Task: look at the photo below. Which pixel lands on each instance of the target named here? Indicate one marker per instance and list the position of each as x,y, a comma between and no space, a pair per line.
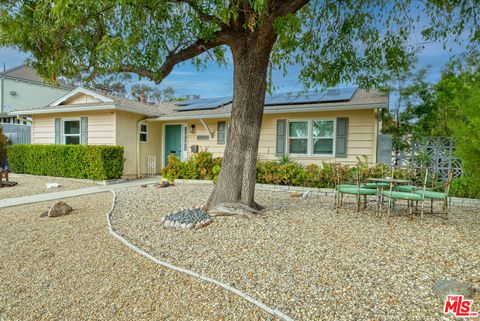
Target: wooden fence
17,134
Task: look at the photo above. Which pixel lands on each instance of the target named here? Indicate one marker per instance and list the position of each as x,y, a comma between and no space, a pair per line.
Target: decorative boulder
442,288
164,183
8,184
59,209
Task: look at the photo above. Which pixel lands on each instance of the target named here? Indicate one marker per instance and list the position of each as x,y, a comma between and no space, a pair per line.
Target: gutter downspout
137,137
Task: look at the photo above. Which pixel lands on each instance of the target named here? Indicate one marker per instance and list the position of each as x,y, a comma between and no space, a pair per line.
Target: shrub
173,167
284,159
282,172
3,146
465,186
200,166
204,163
77,161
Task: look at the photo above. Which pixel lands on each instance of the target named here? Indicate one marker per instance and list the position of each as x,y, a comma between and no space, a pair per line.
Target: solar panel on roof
204,103
339,94
186,102
328,95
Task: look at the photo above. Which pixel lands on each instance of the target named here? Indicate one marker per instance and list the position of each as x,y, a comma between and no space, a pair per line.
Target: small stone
184,226
164,184
198,226
177,225
166,223
144,185
59,209
190,225
52,185
44,214
163,219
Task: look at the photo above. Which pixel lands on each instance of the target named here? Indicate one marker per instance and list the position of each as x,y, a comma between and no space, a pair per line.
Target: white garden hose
275,312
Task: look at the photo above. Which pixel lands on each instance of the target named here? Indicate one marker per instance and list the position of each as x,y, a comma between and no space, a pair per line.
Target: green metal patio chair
439,196
351,189
376,185
408,196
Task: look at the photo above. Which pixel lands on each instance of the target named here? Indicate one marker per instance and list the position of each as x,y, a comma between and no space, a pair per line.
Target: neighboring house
22,88
336,126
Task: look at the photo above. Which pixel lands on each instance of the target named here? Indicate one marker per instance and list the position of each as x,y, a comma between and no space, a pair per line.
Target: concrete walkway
72,193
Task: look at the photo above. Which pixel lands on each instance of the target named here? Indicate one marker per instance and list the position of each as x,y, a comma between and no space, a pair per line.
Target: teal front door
173,141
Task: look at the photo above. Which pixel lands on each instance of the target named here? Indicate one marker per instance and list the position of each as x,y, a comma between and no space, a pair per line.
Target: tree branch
203,15
284,7
174,58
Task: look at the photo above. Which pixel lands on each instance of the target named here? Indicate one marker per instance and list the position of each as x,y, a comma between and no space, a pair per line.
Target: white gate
151,165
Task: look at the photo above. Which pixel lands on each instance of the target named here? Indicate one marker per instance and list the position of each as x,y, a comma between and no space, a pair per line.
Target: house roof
28,74
102,101
361,99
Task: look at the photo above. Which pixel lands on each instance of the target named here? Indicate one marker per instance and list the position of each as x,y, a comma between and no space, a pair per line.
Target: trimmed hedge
96,162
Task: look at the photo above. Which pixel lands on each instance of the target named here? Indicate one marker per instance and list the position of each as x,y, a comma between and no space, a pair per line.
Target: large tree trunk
236,182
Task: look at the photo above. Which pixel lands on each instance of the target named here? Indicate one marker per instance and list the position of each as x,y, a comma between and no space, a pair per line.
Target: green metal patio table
381,183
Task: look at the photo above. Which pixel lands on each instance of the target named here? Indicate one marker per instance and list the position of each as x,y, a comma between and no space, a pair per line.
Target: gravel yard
306,260
31,185
71,268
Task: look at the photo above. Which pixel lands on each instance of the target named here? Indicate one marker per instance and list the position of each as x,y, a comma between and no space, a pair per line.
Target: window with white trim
143,133
322,137
298,137
311,137
71,132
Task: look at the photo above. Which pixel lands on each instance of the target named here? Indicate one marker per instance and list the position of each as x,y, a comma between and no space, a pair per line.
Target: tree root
230,209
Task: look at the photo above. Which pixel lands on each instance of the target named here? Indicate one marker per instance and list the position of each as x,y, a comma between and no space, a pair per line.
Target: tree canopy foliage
335,41
433,109
447,108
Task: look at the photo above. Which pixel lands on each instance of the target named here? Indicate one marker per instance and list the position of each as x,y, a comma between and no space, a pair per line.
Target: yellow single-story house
335,126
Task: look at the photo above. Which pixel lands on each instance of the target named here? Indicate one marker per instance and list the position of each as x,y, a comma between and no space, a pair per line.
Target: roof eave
137,111
62,109
80,109
35,82
285,109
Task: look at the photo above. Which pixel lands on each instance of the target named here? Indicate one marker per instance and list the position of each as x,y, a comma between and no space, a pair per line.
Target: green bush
200,166
173,167
77,161
285,171
465,186
3,146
